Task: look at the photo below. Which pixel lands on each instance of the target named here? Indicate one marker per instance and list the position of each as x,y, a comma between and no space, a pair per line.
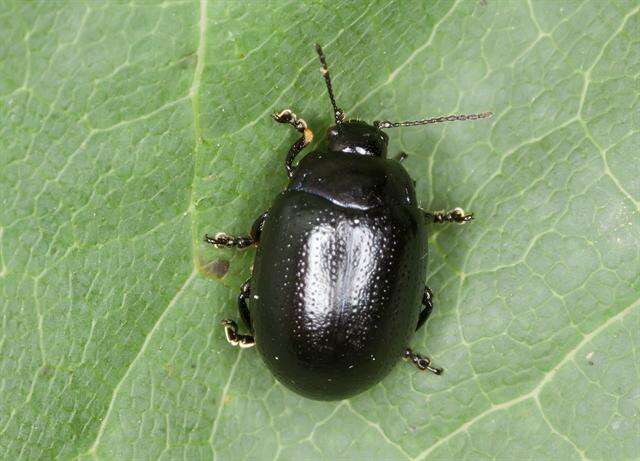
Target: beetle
337,285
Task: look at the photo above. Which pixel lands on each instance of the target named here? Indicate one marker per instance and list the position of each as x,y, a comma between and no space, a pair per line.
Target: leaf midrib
194,95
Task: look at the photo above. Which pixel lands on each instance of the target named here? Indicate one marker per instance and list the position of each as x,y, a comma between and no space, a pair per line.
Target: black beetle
338,276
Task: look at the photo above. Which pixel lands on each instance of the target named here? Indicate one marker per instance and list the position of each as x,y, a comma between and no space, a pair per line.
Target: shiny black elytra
337,289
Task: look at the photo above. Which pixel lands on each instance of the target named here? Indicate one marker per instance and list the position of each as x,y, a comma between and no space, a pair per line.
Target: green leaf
128,130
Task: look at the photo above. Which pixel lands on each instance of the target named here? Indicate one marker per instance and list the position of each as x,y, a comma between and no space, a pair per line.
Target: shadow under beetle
337,288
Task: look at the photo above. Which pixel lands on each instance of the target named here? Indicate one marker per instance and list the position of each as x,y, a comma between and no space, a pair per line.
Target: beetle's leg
245,292
423,363
420,362
256,227
400,157
456,215
241,241
287,116
427,303
226,240
235,339
231,327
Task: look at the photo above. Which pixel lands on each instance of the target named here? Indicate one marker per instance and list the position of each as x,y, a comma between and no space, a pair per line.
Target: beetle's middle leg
457,215
231,327
241,241
287,116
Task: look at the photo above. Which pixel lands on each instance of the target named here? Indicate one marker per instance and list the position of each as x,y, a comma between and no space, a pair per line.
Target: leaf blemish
188,61
47,371
217,268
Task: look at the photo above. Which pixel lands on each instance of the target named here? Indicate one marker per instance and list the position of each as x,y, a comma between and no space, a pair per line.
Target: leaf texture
128,130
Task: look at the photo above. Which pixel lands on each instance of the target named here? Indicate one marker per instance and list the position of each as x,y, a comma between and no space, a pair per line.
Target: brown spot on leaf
217,268
47,371
188,61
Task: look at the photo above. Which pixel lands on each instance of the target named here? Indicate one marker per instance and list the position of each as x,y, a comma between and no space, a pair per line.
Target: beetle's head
357,137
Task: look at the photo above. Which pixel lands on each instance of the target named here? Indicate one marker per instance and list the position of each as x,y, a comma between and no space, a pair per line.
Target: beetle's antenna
427,121
338,113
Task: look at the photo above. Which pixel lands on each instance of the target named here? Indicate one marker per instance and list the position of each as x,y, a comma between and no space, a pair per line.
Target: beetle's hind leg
231,327
241,241
457,215
287,116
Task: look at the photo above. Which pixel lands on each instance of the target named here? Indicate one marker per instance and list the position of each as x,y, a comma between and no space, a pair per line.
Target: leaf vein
536,390
147,340
411,57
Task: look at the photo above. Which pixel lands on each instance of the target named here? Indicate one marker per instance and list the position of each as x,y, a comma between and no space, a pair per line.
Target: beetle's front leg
456,215
241,241
288,117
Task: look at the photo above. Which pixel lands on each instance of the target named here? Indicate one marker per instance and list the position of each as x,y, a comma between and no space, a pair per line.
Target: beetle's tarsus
224,240
287,116
457,215
235,339
421,362
231,327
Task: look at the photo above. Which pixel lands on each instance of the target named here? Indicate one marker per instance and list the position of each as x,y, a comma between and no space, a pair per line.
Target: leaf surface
127,131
